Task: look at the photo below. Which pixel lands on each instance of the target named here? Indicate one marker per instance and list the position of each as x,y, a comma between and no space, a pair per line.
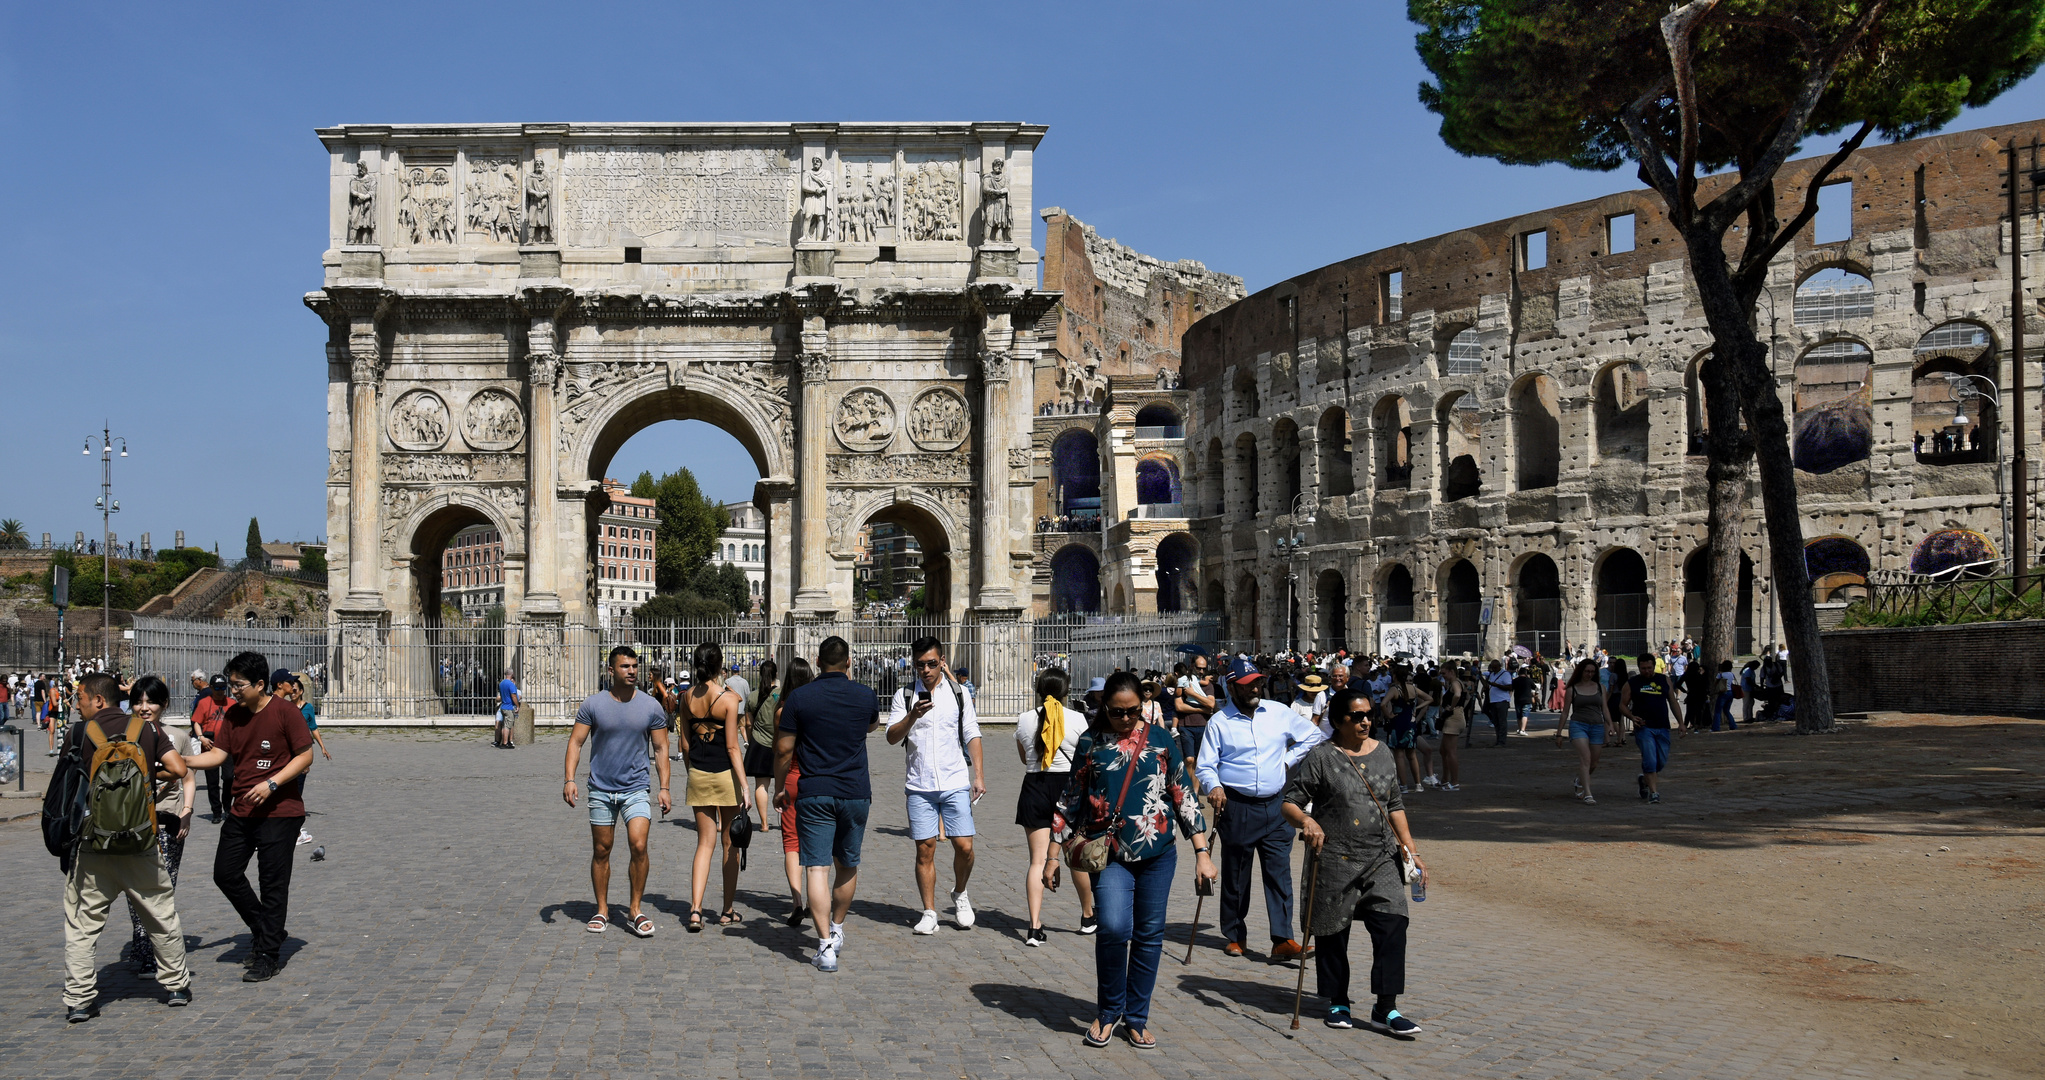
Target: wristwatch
273,786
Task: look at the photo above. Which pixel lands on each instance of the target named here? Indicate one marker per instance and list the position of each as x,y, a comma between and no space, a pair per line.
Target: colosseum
1496,432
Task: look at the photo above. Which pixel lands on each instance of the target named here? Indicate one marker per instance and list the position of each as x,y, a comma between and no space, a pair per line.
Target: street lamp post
1288,547
107,509
1964,389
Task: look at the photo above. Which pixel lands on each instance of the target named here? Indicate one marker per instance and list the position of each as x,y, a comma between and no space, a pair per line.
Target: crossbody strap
1383,814
1127,775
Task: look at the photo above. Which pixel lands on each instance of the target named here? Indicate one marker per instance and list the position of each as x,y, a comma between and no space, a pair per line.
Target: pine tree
255,544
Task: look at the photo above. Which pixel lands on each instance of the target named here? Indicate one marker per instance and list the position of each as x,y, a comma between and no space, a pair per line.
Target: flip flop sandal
1149,1041
597,924
1107,1036
641,925
695,925
729,918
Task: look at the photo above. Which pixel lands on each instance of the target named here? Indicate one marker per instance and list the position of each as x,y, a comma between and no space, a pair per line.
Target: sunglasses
1125,714
929,665
1360,716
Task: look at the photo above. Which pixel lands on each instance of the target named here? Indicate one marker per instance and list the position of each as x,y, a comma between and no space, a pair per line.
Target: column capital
995,367
543,369
365,363
816,367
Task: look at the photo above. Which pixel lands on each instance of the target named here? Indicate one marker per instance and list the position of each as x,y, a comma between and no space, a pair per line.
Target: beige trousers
95,880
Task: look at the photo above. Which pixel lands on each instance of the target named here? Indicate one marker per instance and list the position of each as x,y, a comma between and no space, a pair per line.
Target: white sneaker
838,933
962,910
304,837
826,958
928,923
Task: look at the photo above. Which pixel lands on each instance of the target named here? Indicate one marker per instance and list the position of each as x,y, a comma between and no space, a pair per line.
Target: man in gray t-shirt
616,723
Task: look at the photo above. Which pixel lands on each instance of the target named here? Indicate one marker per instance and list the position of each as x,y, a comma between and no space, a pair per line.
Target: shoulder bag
1398,850
1091,854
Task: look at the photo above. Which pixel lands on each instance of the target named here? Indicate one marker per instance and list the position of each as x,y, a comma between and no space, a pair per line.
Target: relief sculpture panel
932,205
493,420
937,419
418,421
865,420
866,200
426,203
899,468
492,213
676,195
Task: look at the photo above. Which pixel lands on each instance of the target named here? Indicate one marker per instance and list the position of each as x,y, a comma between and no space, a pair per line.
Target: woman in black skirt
1045,736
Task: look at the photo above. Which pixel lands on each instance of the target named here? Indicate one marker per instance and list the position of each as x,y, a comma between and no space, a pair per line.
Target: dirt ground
1887,879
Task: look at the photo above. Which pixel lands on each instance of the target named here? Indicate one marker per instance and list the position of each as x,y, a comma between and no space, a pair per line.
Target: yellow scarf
1052,735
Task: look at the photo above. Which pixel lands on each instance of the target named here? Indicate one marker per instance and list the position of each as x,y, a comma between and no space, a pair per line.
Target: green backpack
120,800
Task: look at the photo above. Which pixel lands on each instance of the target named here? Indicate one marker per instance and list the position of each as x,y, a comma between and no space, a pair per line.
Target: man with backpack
111,842
266,739
934,721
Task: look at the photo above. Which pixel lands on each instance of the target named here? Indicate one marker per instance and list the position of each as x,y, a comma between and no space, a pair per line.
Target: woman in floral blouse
1129,780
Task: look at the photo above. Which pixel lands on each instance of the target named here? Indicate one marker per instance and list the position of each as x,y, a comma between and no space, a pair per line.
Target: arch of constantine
1505,420
507,304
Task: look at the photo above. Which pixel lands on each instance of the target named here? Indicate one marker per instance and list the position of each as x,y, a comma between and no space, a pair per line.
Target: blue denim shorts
830,829
1593,732
927,808
610,807
1654,748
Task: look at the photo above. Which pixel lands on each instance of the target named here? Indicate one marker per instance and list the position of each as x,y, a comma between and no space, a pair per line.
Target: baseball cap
279,678
1242,671
1096,686
218,682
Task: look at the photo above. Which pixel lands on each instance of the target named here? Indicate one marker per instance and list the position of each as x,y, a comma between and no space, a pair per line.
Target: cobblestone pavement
443,934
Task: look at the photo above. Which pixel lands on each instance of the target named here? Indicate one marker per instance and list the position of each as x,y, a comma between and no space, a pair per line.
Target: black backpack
64,805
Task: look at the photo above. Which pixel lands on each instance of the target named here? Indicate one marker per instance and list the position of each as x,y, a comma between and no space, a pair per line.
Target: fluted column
997,340
813,592
365,494
543,565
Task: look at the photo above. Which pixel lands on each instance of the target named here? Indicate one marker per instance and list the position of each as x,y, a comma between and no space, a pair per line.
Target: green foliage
724,584
183,561
915,604
13,534
689,526
682,607
1531,81
314,561
135,581
255,541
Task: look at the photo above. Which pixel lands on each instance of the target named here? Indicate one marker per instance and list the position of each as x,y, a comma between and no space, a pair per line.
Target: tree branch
1730,202
1756,258
1679,30
1654,161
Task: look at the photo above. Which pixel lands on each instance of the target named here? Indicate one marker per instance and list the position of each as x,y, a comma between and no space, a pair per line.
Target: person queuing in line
760,720
100,871
1584,712
1357,828
935,724
712,716
1250,744
616,723
1648,699
1402,726
266,740
147,698
206,715
288,686
1129,784
1046,737
823,730
785,793
508,702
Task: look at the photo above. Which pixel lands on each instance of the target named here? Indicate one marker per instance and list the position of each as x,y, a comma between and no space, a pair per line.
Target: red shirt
261,744
207,713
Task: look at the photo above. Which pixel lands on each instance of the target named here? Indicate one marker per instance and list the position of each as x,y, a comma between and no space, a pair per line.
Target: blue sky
166,197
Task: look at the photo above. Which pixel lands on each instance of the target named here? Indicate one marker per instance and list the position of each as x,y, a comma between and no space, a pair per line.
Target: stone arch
1459,350
1215,601
1213,467
1391,424
1953,420
1838,567
651,399
1619,412
423,532
1834,403
1246,621
1075,580
1120,606
1833,291
1333,444
1076,472
1536,408
1246,400
1331,610
1537,604
1285,452
1625,603
1157,479
938,536
1159,414
1395,593
1460,424
1697,595
1248,497
1462,605
1178,559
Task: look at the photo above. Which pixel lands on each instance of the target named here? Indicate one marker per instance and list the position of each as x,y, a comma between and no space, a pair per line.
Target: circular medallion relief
937,419
493,420
865,420
418,421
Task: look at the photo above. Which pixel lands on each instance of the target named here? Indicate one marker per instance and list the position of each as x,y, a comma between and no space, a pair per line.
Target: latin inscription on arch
664,193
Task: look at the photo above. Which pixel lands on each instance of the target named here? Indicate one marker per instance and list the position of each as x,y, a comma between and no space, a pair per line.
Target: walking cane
1200,890
1299,987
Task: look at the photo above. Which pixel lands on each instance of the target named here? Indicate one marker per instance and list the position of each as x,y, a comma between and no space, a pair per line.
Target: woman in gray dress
1352,785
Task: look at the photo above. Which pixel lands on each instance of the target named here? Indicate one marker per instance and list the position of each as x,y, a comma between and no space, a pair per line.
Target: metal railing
1158,510
1174,431
1951,597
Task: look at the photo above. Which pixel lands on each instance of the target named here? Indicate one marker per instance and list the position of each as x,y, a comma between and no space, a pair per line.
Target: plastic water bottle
1419,886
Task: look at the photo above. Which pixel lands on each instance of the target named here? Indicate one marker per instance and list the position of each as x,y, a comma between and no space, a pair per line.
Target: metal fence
23,650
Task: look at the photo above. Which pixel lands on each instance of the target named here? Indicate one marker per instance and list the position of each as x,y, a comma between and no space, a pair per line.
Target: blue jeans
1129,899
1723,711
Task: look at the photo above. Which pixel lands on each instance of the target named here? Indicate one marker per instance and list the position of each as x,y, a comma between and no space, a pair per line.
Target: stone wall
1987,669
1540,419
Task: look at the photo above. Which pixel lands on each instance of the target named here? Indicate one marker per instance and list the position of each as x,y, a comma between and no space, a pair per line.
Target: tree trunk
1726,490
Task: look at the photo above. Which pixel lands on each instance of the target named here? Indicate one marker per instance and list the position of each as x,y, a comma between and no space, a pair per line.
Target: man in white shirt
1497,700
934,721
1244,756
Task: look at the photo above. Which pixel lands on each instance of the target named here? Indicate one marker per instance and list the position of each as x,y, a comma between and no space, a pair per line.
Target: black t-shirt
153,741
1651,699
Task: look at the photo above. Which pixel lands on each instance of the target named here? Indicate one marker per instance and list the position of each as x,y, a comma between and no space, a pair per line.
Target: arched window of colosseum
1285,447
1076,474
1075,580
1835,418
1246,492
1623,602
1159,422
1838,567
1537,609
1465,356
1462,602
1331,611
1620,413
1395,601
1834,294
1157,481
1392,426
1333,444
1216,600
1536,433
1697,590
1953,420
1176,559
1211,497
1246,623
1247,405
1462,434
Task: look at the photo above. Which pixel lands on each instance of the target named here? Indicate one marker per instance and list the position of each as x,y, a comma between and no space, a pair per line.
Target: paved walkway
443,934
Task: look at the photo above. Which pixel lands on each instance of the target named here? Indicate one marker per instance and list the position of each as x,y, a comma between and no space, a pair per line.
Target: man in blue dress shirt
1243,760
